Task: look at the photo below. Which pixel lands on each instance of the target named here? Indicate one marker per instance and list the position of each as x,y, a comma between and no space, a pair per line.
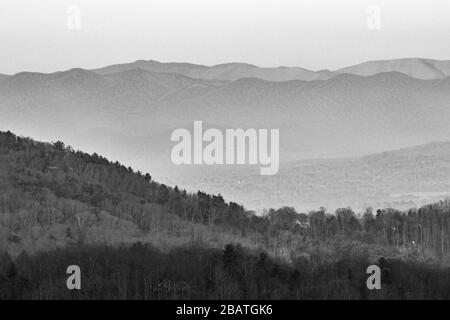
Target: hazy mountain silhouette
227,71
128,113
426,69
317,118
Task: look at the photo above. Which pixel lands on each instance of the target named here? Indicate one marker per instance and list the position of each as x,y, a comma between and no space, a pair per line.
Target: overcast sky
315,34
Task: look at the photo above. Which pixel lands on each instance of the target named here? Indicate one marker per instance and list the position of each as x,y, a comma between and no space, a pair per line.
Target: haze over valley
345,118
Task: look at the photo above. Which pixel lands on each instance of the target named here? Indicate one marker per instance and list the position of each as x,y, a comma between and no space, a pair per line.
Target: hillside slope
54,197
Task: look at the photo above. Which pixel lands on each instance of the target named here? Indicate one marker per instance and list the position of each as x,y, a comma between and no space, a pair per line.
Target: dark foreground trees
195,272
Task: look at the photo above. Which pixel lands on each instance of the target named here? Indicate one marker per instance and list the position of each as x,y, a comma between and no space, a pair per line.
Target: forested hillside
52,195
58,204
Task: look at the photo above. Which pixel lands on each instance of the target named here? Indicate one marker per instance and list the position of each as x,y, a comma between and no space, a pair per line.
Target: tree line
197,272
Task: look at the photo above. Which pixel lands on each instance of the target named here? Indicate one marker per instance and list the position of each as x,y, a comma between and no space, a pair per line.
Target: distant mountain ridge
227,71
137,103
426,69
420,68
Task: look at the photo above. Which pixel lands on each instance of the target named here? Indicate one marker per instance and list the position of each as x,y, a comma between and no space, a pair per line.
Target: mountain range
127,112
426,69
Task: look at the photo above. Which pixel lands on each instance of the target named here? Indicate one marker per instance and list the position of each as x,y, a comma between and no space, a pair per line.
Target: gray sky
315,34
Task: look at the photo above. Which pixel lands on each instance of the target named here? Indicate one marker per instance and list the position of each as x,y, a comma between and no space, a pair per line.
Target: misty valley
240,147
